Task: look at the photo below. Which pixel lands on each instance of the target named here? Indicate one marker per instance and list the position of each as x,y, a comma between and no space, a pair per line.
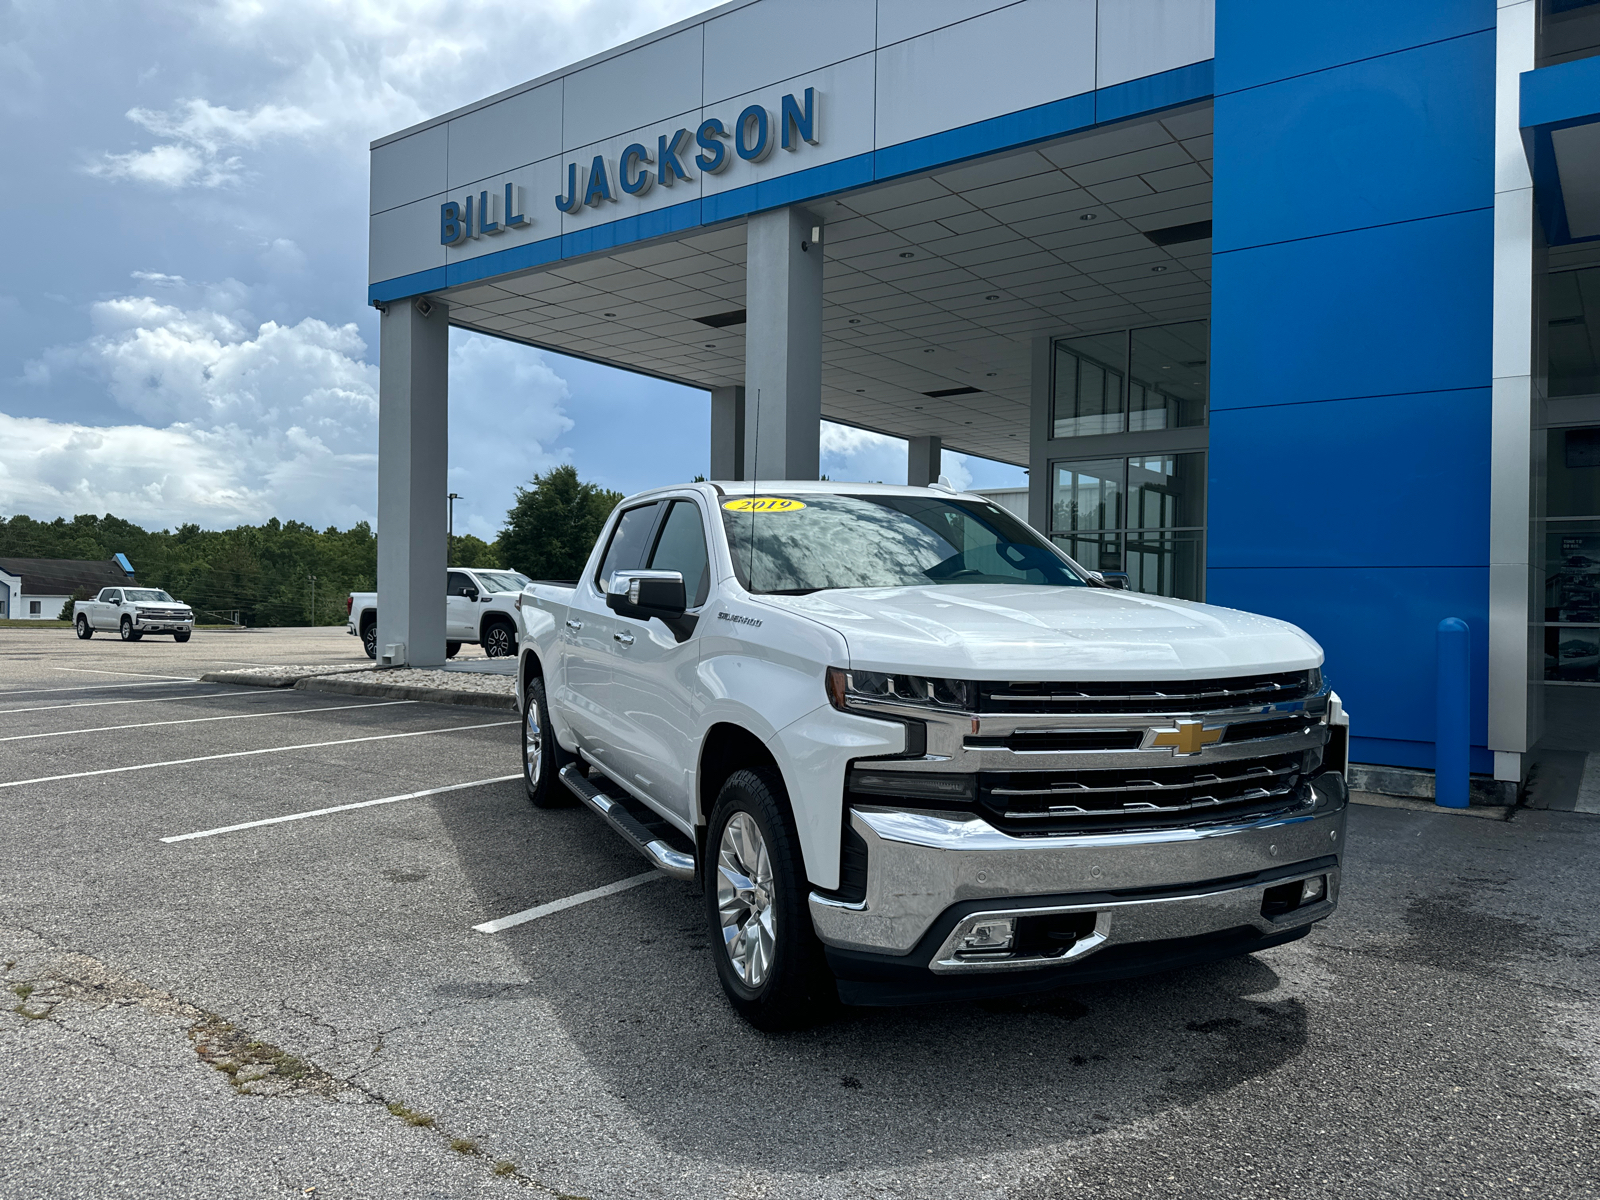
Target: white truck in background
909,750
480,608
133,612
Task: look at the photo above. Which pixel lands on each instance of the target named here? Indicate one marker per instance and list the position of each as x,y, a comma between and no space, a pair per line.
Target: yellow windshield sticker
763,504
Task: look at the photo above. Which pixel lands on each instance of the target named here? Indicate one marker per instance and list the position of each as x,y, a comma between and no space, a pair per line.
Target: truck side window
456,584
627,547
104,597
682,548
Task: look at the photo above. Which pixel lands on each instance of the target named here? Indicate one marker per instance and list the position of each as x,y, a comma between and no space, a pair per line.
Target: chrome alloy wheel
745,899
497,642
533,744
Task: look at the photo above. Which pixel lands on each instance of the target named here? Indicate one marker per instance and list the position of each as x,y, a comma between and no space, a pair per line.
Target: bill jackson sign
710,149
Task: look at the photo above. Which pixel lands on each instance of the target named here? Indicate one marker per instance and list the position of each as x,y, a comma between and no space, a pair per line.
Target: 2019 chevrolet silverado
910,750
133,612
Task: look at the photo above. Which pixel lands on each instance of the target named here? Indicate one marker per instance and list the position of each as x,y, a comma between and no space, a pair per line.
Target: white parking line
555,906
287,712
151,700
135,674
338,808
179,762
95,687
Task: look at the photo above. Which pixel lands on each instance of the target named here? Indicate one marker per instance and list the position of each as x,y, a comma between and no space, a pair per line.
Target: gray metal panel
645,84
748,49
539,182
516,131
404,240
408,169
1027,54
902,19
611,149
1144,37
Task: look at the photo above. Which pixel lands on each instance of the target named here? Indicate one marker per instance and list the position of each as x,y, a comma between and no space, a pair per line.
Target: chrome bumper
920,864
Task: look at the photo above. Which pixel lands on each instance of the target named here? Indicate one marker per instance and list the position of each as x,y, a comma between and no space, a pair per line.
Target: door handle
574,625
625,638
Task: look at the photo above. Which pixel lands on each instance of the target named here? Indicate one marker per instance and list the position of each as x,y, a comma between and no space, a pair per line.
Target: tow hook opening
1012,937
1286,897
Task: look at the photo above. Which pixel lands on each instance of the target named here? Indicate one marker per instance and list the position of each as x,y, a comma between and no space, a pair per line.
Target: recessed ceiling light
608,314
991,374
1157,270
907,254
929,350
966,422
711,345
992,297
1088,216
855,320
861,389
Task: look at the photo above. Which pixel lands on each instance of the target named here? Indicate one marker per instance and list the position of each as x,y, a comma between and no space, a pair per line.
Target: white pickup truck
911,751
133,612
480,607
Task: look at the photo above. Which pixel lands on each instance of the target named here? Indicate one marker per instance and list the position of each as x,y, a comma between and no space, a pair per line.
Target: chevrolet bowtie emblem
1188,737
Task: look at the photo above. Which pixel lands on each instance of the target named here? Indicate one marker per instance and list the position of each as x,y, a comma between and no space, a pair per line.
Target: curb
1486,812
396,691
247,679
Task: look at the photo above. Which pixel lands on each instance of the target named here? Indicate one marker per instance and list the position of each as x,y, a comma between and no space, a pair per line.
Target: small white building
34,589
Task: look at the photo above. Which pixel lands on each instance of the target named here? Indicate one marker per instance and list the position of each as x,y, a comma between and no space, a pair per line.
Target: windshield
146,594
502,581
797,544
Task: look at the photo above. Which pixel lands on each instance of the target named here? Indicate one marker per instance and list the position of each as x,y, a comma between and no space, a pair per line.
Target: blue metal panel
1337,149
1566,92
1392,481
1377,626
1268,40
1374,312
984,137
1154,92
415,284
516,258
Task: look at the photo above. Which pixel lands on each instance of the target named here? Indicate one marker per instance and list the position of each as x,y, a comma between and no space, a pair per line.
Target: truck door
460,612
588,633
653,687
105,613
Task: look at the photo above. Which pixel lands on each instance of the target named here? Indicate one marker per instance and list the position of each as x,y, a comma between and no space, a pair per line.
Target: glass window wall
1143,515
1131,381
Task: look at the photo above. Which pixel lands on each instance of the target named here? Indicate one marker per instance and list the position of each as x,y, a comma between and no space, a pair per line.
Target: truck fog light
991,933
1314,889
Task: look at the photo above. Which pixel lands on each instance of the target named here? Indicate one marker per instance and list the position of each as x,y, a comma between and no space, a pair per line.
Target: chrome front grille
1140,798
1143,696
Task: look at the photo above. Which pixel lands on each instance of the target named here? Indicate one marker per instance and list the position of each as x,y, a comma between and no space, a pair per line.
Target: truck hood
993,631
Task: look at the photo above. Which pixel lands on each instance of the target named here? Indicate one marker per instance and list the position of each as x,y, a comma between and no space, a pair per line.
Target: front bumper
931,876
163,624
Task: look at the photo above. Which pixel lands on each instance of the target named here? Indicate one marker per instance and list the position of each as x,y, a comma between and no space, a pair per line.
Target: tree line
288,573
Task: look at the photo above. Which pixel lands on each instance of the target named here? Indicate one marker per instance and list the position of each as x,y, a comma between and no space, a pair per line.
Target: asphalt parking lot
302,1007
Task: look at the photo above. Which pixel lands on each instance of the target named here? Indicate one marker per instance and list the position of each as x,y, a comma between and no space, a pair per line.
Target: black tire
180,637
85,630
369,639
451,649
499,640
542,756
129,633
796,989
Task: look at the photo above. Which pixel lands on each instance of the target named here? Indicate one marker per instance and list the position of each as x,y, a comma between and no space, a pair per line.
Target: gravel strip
285,676
415,683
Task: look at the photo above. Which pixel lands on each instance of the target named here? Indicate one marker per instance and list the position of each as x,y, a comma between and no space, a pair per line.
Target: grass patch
505,1167
246,1060
22,990
410,1115
18,623
463,1145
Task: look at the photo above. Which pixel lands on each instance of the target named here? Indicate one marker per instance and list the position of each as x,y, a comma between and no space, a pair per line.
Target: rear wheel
499,640
542,757
369,639
85,630
129,633
767,954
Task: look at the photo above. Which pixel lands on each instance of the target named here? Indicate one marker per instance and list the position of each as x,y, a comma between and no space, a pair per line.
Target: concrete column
413,452
1516,651
922,461
783,345
727,433
1039,432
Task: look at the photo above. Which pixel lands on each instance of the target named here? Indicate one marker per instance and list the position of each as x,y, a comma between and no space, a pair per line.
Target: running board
674,862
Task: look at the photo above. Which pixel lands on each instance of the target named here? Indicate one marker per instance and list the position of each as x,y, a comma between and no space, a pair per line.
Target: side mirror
471,593
1115,579
646,594
117,601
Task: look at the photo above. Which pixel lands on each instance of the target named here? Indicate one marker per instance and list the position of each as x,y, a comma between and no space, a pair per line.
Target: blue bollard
1452,736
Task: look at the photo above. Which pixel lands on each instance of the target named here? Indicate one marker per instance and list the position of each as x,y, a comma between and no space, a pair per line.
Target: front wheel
129,633
451,649
84,630
369,639
180,637
768,957
542,757
499,640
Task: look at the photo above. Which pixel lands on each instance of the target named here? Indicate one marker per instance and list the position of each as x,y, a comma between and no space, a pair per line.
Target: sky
184,335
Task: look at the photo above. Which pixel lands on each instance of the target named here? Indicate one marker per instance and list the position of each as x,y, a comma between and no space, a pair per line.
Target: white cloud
857,455
199,137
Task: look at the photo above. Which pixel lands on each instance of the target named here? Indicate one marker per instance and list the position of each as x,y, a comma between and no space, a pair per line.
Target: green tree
553,525
472,551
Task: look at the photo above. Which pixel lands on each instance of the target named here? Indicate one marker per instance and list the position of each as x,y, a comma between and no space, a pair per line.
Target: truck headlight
876,687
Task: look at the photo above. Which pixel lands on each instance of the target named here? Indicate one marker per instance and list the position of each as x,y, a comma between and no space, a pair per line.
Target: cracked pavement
303,1009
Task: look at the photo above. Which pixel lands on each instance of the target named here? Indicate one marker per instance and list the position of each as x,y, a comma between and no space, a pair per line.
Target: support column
727,433
413,453
1039,432
783,345
922,461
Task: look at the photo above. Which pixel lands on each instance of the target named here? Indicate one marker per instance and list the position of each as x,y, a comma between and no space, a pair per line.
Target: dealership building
1283,307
